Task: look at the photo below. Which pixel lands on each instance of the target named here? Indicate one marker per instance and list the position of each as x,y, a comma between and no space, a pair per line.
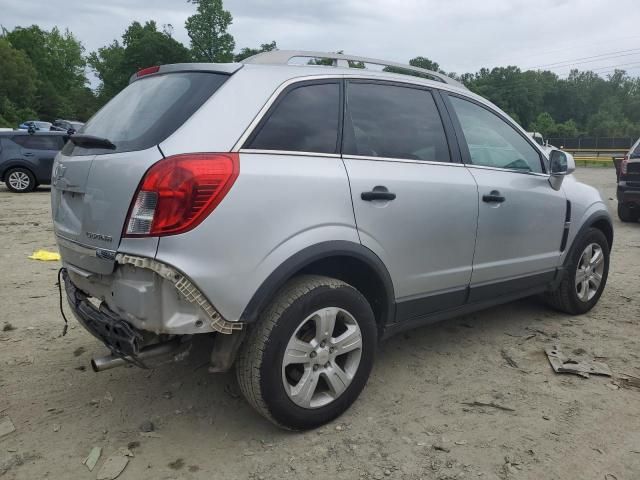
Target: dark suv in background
26,158
629,185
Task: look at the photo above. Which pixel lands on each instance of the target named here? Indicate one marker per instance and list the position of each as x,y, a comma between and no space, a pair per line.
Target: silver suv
300,214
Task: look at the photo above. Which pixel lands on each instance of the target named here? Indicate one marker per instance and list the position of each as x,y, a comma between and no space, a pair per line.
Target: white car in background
540,140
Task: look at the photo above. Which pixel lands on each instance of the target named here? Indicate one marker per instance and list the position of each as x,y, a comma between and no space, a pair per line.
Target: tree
425,63
544,124
249,52
207,30
59,63
17,85
142,46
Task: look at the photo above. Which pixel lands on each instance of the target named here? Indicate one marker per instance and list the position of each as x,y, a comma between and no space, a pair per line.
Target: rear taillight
178,192
623,165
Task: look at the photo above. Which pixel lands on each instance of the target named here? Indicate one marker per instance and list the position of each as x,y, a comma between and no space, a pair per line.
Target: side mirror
560,164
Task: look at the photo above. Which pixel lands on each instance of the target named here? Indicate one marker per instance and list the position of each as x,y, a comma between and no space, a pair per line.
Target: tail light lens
623,165
178,192
147,71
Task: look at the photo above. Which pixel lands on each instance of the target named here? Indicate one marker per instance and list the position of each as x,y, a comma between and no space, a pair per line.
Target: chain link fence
593,143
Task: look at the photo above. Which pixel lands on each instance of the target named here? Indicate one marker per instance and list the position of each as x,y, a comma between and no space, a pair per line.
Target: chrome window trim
508,170
402,160
237,147
288,152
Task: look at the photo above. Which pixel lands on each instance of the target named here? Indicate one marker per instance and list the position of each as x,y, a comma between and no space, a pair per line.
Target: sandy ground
411,422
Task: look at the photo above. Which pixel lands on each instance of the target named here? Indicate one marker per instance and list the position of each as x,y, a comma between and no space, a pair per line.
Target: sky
462,36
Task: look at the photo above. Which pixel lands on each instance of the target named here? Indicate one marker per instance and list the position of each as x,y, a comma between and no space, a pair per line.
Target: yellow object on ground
45,256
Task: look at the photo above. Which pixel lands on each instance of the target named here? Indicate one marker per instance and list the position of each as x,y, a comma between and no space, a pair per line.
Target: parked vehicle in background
69,126
540,140
334,208
35,125
26,158
628,191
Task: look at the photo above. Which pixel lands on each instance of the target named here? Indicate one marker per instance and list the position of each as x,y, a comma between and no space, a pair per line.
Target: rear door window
39,142
149,110
304,119
395,122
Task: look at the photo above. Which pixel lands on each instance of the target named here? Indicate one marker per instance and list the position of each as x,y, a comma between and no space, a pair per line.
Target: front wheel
310,354
20,180
586,274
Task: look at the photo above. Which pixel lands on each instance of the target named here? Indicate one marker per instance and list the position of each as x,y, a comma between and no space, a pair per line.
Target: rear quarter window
304,119
149,110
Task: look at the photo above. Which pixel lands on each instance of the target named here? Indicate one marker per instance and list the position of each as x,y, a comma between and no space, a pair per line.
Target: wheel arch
347,261
600,220
11,164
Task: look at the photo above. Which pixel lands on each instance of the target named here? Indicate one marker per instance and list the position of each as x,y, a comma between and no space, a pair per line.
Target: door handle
493,197
378,193
28,154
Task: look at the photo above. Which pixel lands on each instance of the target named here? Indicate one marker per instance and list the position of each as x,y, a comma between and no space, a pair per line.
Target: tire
576,299
20,180
626,213
293,316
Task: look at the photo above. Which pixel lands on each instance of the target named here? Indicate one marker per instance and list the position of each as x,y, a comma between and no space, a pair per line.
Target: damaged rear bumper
147,295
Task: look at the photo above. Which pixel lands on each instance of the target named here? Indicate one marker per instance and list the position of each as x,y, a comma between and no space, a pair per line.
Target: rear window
149,110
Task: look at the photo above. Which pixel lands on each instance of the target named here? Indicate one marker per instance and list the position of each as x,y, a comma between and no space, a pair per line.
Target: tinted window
304,120
149,110
394,122
39,142
492,141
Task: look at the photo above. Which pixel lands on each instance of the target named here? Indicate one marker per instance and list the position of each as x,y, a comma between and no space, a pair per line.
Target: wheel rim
589,272
322,357
19,180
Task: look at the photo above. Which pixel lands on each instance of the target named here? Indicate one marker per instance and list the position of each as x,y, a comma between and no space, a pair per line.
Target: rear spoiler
225,68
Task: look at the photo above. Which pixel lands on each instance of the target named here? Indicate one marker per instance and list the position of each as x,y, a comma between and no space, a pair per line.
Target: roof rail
283,57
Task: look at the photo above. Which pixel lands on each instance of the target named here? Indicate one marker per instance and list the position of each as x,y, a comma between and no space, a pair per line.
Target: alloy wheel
19,180
589,272
322,357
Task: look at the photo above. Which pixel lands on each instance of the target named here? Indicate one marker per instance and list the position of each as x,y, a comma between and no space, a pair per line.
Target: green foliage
423,62
249,52
46,70
207,30
582,104
142,46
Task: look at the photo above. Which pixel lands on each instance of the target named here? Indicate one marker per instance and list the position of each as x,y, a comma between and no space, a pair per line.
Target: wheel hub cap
322,357
589,272
19,180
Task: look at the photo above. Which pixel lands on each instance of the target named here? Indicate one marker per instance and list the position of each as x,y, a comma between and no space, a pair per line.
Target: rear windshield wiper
89,141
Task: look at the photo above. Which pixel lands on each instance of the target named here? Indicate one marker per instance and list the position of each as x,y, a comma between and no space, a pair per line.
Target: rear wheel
310,355
586,275
20,180
626,213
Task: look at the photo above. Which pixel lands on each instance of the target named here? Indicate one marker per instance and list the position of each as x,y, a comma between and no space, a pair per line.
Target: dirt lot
412,420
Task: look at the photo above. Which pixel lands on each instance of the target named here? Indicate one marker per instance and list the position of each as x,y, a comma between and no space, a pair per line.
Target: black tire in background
626,213
20,180
259,367
565,298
